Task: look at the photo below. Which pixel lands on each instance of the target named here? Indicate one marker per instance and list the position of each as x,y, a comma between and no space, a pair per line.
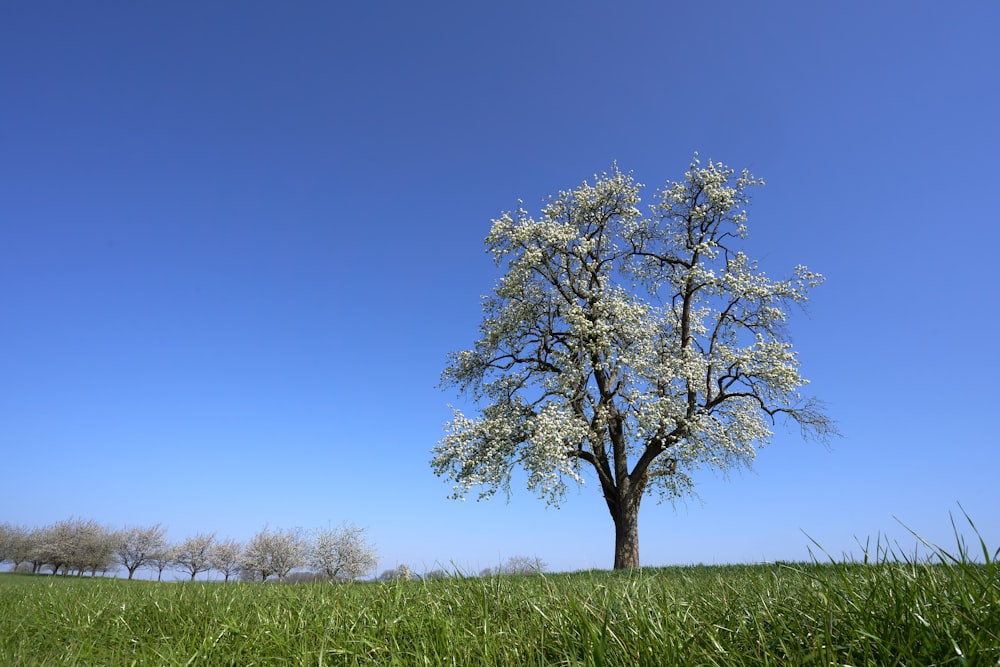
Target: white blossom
225,557
194,554
638,346
136,546
273,553
342,552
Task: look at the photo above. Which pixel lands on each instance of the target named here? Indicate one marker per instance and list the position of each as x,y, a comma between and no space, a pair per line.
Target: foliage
194,554
16,544
273,553
894,610
162,559
436,574
640,347
136,546
400,573
225,557
517,565
74,545
342,552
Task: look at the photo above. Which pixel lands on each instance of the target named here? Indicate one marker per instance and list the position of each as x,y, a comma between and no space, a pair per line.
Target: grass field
944,610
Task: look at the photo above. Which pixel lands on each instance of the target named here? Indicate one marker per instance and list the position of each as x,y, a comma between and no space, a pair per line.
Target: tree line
84,546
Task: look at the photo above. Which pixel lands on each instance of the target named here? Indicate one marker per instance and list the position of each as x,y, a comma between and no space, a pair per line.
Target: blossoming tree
638,346
342,553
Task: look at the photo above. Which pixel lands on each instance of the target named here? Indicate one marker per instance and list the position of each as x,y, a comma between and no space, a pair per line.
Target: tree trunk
626,517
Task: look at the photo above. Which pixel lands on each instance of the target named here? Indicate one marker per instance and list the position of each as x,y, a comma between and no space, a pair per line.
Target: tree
51,547
136,546
72,545
400,573
437,574
93,547
16,545
225,557
342,552
523,565
516,565
34,543
194,554
161,559
637,347
6,537
273,553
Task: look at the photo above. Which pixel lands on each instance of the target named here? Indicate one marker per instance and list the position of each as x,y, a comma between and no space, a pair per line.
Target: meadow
943,609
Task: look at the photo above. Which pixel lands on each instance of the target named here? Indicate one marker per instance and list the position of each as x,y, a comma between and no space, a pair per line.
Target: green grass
944,610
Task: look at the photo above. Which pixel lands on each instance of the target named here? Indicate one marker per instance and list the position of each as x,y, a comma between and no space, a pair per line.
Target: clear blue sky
237,240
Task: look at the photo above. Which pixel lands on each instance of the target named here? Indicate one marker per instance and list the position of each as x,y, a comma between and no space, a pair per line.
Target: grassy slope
900,613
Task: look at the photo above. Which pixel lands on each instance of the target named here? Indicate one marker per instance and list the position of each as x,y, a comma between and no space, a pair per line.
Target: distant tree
94,548
194,554
54,545
225,557
523,565
342,553
162,559
437,574
50,547
5,531
273,553
304,577
136,545
16,545
638,347
516,565
73,545
35,539
401,572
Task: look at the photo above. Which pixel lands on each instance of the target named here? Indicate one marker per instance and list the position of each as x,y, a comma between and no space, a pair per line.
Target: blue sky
237,241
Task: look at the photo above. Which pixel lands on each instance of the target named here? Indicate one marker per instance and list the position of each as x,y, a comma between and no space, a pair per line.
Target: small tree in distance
516,565
273,553
93,549
161,560
638,347
400,573
51,545
225,557
342,553
194,554
16,544
523,565
135,546
74,545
